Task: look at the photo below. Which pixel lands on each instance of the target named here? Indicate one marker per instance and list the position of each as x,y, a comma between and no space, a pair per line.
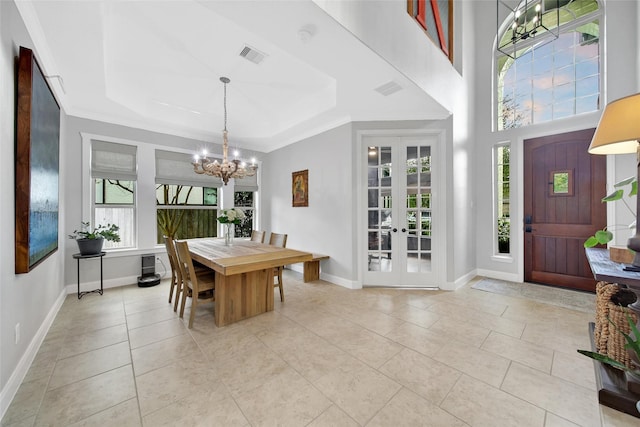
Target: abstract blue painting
37,165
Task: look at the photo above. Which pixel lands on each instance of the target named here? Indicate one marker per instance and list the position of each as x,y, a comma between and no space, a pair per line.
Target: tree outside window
245,201
186,212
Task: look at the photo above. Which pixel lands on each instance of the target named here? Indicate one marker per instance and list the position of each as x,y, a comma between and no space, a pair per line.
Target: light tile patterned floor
329,356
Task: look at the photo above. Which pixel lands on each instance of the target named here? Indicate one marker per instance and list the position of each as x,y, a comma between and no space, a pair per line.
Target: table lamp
618,132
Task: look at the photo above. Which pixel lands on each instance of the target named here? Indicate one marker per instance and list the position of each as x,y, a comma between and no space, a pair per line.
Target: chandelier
528,19
228,168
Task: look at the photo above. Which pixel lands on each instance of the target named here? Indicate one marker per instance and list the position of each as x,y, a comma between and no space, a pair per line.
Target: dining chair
279,240
176,284
257,236
201,285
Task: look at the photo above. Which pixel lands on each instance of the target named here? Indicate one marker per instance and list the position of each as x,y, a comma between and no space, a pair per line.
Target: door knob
404,230
395,230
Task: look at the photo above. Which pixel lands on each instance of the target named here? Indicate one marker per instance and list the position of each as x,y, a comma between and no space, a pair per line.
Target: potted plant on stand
90,240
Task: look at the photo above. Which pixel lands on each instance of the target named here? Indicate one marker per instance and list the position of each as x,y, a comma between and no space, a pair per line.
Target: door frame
439,198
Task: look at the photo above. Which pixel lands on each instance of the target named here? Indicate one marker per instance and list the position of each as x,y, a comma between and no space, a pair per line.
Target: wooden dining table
244,274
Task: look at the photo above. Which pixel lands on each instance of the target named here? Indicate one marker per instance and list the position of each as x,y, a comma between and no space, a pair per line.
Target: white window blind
110,160
248,183
176,168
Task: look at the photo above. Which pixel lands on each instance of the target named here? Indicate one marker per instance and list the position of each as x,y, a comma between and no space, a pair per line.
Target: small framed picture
300,188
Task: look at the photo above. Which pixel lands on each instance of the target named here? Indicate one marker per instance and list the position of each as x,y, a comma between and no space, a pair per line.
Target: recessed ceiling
156,65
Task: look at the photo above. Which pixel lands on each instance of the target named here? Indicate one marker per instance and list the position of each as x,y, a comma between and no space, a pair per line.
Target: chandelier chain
225,106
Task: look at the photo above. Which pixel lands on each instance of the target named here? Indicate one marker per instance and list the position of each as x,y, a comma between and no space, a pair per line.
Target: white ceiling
156,65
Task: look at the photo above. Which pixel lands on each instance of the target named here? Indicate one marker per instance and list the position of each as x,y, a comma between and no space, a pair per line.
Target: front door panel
564,186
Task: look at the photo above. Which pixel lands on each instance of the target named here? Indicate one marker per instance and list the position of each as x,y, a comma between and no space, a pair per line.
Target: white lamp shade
619,129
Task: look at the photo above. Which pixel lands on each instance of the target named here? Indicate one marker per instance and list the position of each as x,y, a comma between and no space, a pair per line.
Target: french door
400,222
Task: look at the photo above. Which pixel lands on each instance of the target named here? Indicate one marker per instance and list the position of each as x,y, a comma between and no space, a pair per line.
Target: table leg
243,295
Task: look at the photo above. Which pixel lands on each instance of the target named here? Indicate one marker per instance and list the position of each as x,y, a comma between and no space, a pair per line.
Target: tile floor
328,356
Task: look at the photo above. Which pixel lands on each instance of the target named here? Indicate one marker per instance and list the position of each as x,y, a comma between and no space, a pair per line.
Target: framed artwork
36,165
436,18
300,188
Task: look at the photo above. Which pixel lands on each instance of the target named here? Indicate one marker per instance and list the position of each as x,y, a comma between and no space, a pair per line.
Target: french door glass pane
418,209
379,180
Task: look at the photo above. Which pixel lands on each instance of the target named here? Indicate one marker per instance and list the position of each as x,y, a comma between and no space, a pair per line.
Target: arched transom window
551,78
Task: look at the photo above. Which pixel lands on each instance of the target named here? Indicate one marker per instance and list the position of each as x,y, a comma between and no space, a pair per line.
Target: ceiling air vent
388,88
253,55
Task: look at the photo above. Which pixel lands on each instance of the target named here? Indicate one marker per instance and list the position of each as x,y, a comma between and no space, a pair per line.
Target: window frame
498,196
89,188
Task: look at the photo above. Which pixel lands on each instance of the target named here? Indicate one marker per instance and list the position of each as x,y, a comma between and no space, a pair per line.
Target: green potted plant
633,348
90,240
604,236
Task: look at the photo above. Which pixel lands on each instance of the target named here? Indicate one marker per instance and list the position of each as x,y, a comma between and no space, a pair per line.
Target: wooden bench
312,268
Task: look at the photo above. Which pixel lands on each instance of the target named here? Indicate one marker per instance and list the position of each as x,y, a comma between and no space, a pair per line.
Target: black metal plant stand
78,257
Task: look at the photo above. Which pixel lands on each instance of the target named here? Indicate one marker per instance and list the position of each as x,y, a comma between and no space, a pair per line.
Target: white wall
621,53
30,299
327,225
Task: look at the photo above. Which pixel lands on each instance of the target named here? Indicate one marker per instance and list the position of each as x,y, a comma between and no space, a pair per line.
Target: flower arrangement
231,216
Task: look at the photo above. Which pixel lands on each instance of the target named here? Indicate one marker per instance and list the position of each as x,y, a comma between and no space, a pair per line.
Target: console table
78,257
612,383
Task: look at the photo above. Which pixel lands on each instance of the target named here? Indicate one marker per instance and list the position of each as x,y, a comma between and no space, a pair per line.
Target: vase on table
228,234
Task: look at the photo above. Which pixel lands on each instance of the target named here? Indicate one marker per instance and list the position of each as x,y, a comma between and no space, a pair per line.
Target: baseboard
459,282
345,283
20,372
499,275
349,284
111,283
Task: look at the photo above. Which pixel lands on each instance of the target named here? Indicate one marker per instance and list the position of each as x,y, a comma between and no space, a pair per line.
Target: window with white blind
114,176
186,203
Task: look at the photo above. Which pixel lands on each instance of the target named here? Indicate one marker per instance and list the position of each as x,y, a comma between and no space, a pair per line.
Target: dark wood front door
563,188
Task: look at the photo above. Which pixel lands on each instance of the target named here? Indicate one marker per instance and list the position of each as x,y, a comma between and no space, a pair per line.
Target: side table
78,257
611,383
